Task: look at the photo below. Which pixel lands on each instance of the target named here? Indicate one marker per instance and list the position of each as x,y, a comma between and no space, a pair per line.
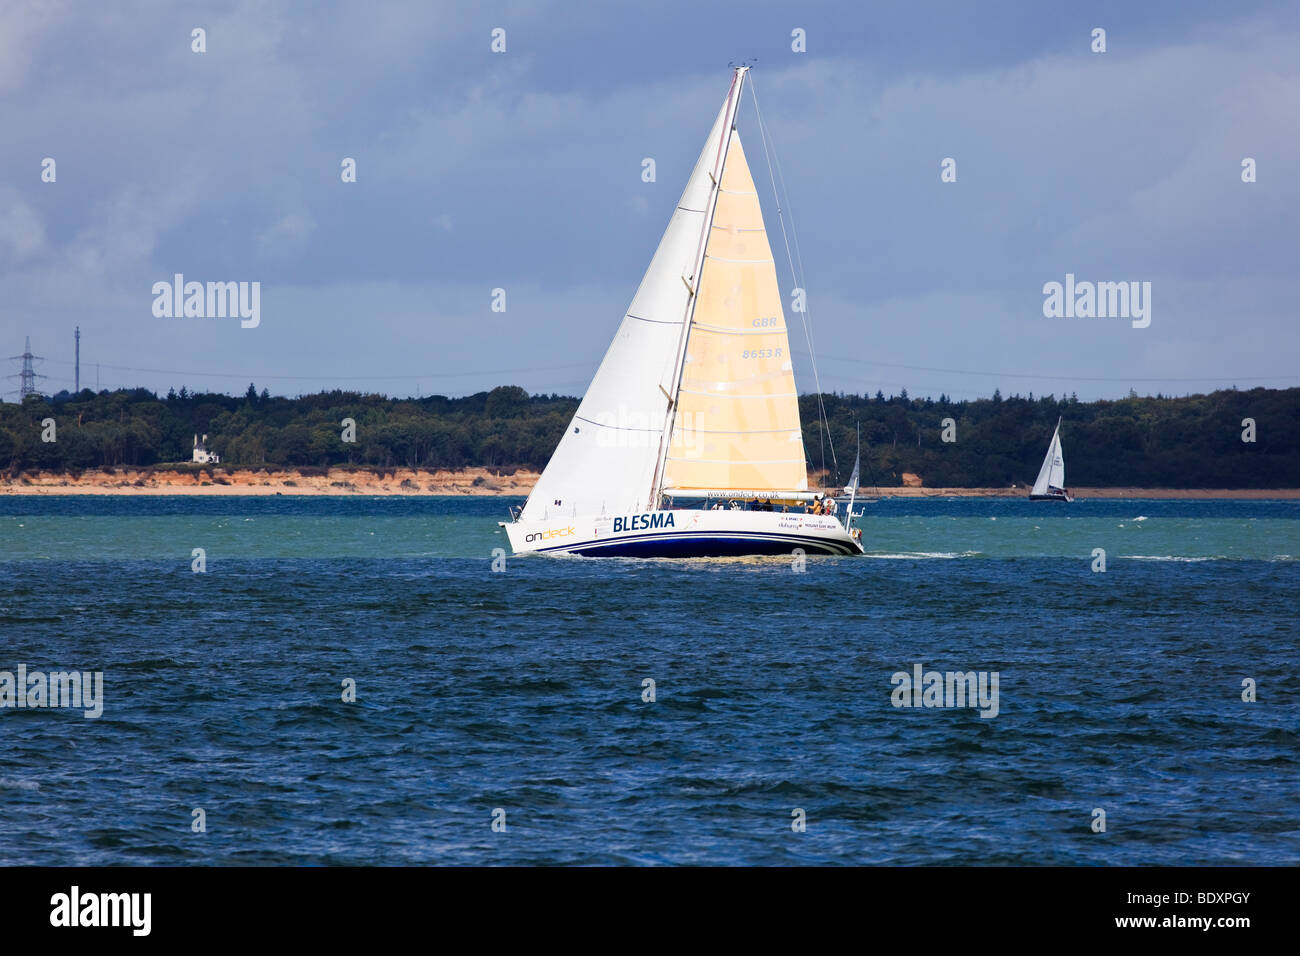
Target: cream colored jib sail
737,416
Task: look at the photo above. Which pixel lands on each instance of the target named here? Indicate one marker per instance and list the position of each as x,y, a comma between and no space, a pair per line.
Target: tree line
1185,442
1226,439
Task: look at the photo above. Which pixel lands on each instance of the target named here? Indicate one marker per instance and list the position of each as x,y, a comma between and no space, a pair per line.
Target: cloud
289,232
523,170
26,22
22,233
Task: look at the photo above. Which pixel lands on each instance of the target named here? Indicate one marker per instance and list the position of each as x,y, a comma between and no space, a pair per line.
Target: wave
916,555
1174,557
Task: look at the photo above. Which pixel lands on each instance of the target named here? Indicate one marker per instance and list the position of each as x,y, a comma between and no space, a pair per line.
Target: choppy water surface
522,690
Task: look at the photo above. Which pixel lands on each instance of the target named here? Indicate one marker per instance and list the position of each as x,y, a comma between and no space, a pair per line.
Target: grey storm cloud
522,171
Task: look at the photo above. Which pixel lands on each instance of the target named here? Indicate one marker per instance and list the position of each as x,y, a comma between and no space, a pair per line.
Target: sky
522,170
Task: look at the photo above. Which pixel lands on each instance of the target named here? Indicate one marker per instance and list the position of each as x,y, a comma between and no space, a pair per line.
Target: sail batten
723,395
718,330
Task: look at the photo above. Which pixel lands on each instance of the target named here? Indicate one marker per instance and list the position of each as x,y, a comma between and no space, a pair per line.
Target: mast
693,281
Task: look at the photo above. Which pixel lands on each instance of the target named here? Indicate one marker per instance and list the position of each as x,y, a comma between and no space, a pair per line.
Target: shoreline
218,481
1083,494
414,482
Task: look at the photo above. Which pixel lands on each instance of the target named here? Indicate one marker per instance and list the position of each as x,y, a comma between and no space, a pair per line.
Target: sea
320,681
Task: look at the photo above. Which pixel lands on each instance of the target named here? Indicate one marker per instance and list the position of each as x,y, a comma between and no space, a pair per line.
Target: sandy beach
469,481
271,481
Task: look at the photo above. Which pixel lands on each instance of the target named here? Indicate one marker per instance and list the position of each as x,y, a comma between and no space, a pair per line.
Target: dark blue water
522,689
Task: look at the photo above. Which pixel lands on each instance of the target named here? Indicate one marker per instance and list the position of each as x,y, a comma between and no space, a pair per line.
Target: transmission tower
28,376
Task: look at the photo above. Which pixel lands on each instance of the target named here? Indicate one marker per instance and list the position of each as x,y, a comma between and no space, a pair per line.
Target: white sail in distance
1052,474
852,486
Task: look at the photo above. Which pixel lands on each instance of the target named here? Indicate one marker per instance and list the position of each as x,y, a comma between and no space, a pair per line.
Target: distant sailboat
688,441
850,493
851,489
1050,485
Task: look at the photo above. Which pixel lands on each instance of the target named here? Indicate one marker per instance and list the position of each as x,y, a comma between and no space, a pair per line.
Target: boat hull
684,534
1065,498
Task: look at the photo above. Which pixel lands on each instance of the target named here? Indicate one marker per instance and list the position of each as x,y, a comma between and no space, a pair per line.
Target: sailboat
1050,485
850,492
851,489
688,442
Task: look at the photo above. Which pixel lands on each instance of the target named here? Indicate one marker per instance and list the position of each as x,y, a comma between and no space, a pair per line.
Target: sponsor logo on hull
656,519
550,533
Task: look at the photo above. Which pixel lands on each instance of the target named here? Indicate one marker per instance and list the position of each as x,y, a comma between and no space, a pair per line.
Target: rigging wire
806,314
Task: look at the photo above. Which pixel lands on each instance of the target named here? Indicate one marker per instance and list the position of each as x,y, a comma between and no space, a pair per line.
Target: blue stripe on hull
707,545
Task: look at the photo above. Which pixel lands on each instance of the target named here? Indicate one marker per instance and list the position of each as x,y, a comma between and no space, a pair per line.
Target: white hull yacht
688,442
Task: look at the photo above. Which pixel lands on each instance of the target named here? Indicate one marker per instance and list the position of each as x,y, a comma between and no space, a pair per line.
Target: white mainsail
1052,474
607,461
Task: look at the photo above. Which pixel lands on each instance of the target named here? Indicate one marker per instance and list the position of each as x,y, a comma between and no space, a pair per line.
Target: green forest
1187,442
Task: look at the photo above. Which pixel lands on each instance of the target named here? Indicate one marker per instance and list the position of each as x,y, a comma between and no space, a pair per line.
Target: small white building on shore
201,453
